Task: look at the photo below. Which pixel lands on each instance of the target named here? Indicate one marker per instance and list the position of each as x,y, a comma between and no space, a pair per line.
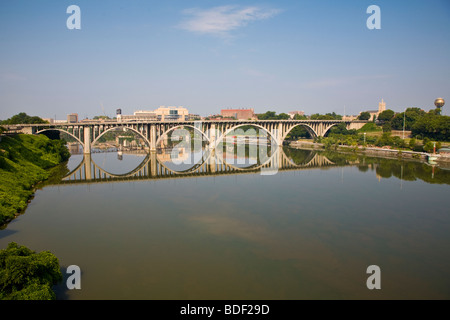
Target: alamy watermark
374,21
74,20
74,280
374,280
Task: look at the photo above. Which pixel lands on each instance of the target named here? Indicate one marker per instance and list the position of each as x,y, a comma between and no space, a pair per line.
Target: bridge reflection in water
158,165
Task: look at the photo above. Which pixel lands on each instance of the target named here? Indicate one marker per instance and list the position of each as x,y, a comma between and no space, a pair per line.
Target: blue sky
315,55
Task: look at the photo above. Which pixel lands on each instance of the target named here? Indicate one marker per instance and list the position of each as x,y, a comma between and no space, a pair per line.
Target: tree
328,116
412,143
410,116
364,115
299,117
384,140
27,275
23,118
387,127
297,132
283,116
269,115
101,117
432,126
386,115
341,129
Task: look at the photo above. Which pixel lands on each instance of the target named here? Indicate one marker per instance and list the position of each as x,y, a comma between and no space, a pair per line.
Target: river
140,229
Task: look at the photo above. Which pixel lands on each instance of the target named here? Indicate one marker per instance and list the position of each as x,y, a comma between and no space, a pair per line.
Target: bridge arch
224,134
118,128
165,133
306,126
90,162
61,130
332,125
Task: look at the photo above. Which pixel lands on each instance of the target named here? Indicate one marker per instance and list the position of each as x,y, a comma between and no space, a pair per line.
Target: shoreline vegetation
25,162
27,275
382,152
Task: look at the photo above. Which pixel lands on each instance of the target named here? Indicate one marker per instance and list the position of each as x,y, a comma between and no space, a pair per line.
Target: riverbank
376,152
25,161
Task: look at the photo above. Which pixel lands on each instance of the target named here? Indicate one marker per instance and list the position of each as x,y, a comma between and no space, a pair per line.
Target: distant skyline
315,56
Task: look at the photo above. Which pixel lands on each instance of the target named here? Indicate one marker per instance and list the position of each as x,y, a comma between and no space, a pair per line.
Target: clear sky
317,56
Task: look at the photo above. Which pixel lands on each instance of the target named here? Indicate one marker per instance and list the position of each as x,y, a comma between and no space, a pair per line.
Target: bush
387,127
26,275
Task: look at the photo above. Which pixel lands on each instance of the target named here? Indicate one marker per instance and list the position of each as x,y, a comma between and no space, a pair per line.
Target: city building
161,114
140,115
171,113
238,114
192,117
72,118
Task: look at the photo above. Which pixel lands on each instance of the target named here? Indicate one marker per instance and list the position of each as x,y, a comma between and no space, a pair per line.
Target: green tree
283,116
410,116
27,275
269,115
364,115
298,132
386,115
299,117
412,143
432,126
384,140
341,129
23,118
387,127
328,116
101,117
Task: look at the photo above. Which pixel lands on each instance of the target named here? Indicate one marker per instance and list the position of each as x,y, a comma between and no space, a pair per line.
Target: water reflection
167,163
179,162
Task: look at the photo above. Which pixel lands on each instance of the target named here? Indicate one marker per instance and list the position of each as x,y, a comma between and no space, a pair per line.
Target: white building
161,114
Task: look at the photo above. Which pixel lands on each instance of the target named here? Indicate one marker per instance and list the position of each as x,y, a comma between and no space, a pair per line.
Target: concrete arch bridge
213,132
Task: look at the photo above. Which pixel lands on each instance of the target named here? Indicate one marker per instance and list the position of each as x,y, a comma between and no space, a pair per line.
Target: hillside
24,161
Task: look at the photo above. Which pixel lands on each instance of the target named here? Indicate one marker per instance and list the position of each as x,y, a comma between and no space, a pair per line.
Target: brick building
239,114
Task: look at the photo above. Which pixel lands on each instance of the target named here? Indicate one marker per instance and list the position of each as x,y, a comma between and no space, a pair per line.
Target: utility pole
404,117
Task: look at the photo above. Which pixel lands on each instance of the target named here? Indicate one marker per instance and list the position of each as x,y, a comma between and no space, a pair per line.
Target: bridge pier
153,137
87,166
87,140
212,136
279,134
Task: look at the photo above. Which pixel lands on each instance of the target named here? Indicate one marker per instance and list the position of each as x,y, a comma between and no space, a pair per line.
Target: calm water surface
304,233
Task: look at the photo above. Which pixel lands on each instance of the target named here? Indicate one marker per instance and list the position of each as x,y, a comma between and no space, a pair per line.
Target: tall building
381,106
72,118
238,114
